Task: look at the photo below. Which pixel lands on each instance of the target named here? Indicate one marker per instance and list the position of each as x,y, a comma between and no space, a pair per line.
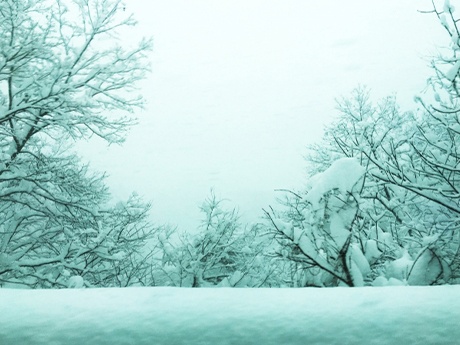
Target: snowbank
386,315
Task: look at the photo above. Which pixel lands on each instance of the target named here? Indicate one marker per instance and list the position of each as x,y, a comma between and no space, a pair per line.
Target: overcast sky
240,87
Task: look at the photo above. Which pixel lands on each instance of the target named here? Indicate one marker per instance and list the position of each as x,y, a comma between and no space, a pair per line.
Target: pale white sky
240,87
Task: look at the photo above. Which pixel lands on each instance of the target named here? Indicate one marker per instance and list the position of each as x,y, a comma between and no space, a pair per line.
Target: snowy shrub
61,225
401,219
221,252
316,230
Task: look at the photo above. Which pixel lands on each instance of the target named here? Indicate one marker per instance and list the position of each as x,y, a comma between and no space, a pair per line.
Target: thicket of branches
381,206
221,252
396,221
64,76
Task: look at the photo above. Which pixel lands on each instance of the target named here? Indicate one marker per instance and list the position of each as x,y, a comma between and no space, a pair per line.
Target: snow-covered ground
239,88
173,316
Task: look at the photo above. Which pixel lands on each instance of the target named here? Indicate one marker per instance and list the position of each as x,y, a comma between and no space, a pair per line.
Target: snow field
383,315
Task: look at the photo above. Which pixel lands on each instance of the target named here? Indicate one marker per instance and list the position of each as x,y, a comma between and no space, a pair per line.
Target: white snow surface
343,175
76,282
378,315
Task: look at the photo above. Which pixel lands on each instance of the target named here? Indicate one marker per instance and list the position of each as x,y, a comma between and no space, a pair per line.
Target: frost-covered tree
316,230
63,71
405,228
220,252
404,207
56,225
64,75
399,223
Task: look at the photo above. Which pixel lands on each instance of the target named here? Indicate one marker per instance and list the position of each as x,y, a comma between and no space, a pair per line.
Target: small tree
221,252
56,225
316,230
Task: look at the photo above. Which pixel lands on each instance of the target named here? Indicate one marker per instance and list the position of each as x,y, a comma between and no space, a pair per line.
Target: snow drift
384,315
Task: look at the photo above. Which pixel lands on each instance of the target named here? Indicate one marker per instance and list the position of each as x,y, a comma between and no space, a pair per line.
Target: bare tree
62,71
221,252
65,75
56,224
406,211
404,227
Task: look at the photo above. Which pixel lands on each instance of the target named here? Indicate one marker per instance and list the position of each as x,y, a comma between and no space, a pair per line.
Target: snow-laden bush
221,252
405,213
401,218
